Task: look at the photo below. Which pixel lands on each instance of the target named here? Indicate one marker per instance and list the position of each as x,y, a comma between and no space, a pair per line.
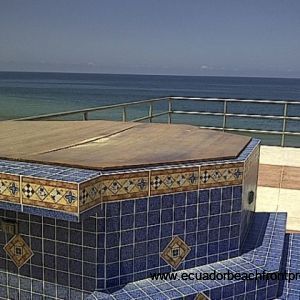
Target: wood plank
19,139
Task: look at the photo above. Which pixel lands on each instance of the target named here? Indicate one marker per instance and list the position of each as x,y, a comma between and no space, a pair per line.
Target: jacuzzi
99,210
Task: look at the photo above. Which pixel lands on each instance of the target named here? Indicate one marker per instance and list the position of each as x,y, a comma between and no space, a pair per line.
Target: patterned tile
221,175
89,193
113,187
50,194
174,180
134,185
201,297
9,188
18,250
175,252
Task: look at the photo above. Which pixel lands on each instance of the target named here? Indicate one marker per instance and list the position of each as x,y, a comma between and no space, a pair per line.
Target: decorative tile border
124,186
89,194
49,194
173,180
75,197
10,188
221,175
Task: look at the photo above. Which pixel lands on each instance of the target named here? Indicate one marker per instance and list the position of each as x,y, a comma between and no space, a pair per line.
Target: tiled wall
138,231
123,242
64,253
146,222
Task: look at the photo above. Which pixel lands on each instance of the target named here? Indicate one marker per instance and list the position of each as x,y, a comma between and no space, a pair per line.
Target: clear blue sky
191,37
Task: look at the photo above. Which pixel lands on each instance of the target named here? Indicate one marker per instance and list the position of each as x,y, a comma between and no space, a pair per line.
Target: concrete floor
279,183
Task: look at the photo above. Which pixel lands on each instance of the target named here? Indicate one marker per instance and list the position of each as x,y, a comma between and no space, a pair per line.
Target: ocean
25,94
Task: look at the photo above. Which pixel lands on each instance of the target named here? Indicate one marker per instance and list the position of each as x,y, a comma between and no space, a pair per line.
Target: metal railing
224,112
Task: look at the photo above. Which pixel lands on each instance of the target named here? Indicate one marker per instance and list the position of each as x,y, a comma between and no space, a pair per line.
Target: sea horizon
150,74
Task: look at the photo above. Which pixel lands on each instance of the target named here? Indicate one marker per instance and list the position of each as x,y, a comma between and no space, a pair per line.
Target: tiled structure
261,253
69,233
95,230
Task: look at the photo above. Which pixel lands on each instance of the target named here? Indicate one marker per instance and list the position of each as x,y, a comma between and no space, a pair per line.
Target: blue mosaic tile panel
14,287
291,264
264,243
64,253
138,231
217,289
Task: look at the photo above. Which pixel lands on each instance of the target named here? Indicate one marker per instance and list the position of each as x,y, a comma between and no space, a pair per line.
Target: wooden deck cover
110,145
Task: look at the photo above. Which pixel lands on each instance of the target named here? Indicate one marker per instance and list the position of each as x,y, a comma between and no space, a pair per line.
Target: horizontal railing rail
284,116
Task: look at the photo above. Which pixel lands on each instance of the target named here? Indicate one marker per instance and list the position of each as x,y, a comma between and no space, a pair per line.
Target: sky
180,37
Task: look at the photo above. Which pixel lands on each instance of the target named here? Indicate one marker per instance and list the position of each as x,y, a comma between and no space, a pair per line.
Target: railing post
170,111
224,114
124,114
284,125
85,116
150,112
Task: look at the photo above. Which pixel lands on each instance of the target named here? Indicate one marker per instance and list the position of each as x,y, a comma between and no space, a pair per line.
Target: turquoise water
27,94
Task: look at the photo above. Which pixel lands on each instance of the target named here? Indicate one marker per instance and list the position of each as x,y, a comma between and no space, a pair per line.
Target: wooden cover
110,145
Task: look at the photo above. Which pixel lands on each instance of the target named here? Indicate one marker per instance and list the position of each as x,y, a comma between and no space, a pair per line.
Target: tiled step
261,253
290,264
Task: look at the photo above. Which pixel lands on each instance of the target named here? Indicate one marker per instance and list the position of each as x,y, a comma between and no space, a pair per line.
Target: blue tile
154,217
226,206
202,237
191,225
166,215
112,270
180,199
202,223
140,264
227,193
213,235
191,238
141,234
191,211
141,205
237,192
192,198
153,232
166,230
154,203
152,261
215,208
140,249
140,220
113,209
112,239
225,220
127,207
179,213
179,227
213,248
167,201
203,210
112,224
112,255
215,194
214,222
203,196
